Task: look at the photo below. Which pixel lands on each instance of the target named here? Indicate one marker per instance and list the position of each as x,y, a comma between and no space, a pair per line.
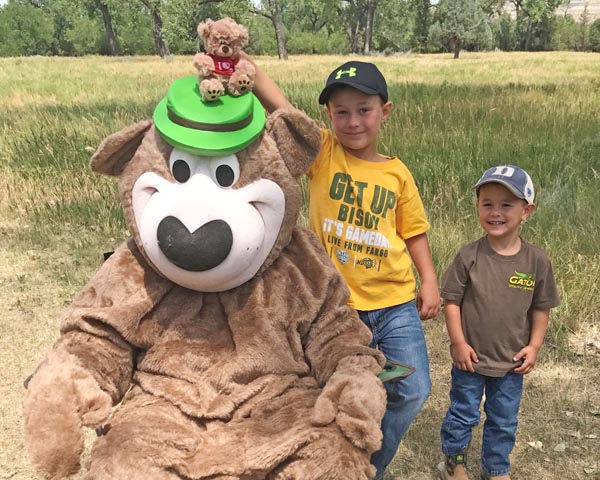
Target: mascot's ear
118,148
298,138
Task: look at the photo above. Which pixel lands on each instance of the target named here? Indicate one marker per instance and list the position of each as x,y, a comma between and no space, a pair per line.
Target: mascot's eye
181,171
225,175
225,171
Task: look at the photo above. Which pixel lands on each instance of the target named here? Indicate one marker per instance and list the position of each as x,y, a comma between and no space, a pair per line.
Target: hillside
573,8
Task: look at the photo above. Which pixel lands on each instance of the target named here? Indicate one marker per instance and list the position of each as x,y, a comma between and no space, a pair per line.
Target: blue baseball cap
512,177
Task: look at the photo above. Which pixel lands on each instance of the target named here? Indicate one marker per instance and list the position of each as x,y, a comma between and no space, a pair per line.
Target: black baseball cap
363,76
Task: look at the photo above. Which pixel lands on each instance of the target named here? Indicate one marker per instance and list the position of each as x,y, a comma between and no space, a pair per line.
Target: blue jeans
502,399
398,333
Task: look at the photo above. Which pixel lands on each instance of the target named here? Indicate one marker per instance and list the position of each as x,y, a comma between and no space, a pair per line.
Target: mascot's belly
223,349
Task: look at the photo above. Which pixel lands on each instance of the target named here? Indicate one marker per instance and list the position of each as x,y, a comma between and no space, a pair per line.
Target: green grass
451,121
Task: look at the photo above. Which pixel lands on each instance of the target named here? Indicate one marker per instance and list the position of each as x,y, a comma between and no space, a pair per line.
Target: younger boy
367,212
498,293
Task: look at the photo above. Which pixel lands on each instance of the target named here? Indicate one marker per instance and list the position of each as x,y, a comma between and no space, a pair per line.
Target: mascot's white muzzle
205,237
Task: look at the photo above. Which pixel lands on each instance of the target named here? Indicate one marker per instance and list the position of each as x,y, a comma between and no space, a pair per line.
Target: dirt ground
559,430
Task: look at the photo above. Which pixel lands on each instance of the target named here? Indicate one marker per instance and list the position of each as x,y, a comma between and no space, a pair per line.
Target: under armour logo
351,72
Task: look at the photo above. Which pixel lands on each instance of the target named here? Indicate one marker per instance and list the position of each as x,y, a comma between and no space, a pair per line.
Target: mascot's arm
337,347
89,368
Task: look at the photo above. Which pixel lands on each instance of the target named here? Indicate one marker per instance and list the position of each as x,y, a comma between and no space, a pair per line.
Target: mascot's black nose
199,251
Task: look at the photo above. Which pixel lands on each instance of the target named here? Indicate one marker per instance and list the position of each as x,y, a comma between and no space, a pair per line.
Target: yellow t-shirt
362,212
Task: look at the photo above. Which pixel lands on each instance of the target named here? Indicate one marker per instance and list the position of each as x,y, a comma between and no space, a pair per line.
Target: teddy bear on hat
216,342
220,69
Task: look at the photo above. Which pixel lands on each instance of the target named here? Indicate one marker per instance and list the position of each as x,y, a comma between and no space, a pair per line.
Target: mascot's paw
61,398
362,431
324,412
355,398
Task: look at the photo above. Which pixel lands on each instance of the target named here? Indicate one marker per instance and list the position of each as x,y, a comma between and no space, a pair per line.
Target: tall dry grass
452,120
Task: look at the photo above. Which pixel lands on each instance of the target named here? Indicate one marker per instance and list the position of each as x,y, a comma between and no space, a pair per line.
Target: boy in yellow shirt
366,210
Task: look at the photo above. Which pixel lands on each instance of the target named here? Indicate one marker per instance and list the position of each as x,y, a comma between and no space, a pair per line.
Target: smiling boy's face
356,119
500,211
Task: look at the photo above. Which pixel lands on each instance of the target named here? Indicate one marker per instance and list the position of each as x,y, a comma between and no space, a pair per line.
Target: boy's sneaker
454,467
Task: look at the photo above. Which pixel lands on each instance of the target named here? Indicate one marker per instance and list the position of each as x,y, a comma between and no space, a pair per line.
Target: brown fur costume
272,379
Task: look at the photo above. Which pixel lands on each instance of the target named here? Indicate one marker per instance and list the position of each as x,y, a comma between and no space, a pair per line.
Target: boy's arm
529,353
428,297
266,90
462,353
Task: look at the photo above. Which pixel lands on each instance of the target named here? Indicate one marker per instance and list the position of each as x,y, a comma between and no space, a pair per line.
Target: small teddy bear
221,69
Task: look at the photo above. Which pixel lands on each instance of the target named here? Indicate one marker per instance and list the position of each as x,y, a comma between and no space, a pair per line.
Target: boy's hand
529,356
428,300
463,356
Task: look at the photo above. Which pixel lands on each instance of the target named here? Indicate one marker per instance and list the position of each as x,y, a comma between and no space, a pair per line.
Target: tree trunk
161,46
456,48
113,45
527,42
273,15
280,36
370,18
352,31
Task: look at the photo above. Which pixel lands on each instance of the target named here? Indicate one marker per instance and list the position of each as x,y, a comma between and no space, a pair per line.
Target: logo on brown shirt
523,281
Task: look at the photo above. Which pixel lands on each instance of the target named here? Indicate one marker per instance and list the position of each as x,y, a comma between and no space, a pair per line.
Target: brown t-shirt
497,295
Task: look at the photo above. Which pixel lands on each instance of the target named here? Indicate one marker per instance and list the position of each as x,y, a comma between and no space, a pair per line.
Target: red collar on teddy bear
224,65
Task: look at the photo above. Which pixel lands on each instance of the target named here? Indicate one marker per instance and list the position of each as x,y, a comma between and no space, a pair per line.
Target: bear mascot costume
216,342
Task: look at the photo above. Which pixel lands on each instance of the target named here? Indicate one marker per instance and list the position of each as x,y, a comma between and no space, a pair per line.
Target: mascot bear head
209,190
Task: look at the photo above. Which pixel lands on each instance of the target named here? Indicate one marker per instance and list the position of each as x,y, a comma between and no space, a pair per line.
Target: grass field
452,120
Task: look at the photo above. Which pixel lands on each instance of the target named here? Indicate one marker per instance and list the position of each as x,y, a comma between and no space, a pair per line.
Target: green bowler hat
215,129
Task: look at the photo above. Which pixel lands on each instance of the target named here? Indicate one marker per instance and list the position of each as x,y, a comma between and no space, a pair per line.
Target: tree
583,40
532,17
565,33
422,24
80,25
310,16
461,23
134,32
111,38
25,30
153,7
181,18
394,33
63,14
85,36
350,13
358,17
315,27
271,9
371,5
504,32
594,35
